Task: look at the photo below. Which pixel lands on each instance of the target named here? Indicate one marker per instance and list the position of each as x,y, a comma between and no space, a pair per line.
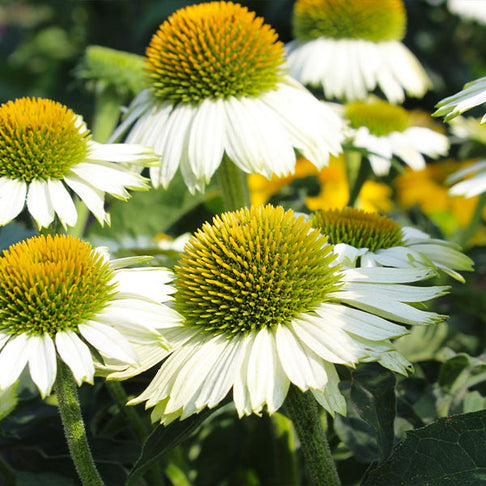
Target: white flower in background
474,182
45,147
59,297
265,306
370,240
387,132
352,47
469,9
233,99
473,94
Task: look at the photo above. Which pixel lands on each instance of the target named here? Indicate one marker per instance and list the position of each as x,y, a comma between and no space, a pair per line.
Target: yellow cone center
40,139
253,268
357,228
50,284
213,50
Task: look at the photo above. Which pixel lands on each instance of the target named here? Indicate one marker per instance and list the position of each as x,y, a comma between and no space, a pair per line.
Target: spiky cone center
213,50
253,268
357,228
109,68
40,139
371,20
381,118
51,284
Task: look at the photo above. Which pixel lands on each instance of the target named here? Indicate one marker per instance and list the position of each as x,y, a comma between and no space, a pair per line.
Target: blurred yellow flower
374,196
426,189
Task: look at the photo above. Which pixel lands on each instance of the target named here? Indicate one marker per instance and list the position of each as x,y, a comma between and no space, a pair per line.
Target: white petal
12,198
76,355
302,366
39,203
91,196
13,358
330,398
207,139
359,323
108,177
108,341
62,202
267,382
42,363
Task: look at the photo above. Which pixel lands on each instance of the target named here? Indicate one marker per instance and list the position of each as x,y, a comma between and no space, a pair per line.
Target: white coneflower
387,131
45,147
352,47
370,240
219,86
59,297
265,305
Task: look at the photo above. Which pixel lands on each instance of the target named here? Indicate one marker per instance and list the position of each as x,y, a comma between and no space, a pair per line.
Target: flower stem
107,113
139,427
234,186
303,410
357,170
476,219
72,420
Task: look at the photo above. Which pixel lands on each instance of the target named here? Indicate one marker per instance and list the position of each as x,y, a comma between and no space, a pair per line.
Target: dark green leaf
42,479
449,451
373,395
162,440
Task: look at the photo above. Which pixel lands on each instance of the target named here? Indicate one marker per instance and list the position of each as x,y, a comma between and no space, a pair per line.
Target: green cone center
253,268
51,284
371,20
381,118
357,228
40,139
213,50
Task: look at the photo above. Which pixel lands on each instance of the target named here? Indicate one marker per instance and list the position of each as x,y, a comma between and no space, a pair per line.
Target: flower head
387,130
380,241
266,305
60,297
45,147
219,87
351,47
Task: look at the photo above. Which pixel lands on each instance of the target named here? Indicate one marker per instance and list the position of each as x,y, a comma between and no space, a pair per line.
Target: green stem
7,473
83,214
138,425
72,420
303,410
234,186
107,113
357,169
476,219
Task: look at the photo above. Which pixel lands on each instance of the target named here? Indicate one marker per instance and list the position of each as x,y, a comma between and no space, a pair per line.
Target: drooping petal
42,362
39,203
62,202
76,355
12,198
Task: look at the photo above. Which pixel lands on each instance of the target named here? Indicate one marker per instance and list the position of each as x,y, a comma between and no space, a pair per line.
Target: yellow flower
426,189
374,196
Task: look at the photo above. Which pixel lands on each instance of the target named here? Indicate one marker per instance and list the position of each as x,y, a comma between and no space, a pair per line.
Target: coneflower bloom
62,298
219,88
45,148
265,305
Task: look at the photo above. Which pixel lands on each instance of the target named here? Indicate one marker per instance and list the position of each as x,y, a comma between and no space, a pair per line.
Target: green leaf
41,479
449,451
162,440
373,396
152,212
